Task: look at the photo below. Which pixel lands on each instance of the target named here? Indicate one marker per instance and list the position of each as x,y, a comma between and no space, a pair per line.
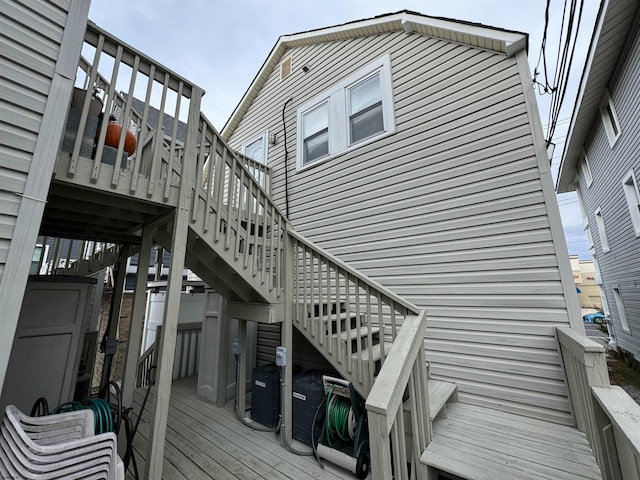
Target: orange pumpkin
112,139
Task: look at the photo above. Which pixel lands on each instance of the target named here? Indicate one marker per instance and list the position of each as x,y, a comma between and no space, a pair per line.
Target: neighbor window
256,148
602,232
585,168
609,118
622,313
633,200
354,112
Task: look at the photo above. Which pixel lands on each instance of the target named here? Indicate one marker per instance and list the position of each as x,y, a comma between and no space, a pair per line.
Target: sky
221,44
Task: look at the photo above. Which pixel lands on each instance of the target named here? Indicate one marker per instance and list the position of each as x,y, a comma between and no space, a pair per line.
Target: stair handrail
411,308
404,372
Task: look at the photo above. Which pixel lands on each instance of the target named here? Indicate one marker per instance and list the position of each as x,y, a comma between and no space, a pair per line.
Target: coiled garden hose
101,412
339,419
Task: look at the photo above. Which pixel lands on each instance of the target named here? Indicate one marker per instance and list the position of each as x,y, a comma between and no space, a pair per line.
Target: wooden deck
479,443
205,442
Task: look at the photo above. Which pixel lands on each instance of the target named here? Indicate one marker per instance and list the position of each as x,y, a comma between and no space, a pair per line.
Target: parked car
595,317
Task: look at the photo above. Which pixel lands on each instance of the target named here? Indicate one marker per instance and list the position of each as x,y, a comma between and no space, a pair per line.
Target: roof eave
599,68
506,41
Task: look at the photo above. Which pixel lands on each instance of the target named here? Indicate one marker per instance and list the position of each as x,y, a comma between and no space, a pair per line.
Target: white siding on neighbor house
31,37
447,212
620,267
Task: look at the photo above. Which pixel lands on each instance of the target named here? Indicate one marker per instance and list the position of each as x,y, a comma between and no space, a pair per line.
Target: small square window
609,118
632,195
604,242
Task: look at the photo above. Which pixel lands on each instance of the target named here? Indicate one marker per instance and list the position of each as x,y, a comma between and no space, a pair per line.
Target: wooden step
373,353
439,394
355,333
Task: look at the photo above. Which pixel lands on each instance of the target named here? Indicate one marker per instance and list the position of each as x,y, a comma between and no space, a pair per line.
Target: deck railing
403,374
111,80
607,415
62,256
328,294
187,354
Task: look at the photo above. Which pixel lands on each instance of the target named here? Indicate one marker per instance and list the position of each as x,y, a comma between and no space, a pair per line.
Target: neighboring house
601,163
584,276
414,152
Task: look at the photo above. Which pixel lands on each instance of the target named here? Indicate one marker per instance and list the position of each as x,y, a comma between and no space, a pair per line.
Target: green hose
337,418
100,408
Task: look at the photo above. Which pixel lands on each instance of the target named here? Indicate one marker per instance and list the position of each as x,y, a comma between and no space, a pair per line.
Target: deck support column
214,351
241,387
137,318
110,346
158,432
287,330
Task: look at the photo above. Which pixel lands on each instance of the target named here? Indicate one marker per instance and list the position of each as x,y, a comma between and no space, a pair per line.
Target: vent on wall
285,68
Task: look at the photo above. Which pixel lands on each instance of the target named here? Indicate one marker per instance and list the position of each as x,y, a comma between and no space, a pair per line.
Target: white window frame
610,119
337,98
585,169
622,312
264,136
602,232
632,194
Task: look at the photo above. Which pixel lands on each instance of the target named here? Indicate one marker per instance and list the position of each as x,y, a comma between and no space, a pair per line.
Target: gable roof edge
506,41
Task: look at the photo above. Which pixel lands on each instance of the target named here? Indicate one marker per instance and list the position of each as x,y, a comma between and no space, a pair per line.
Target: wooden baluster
211,160
172,149
358,337
264,241
231,192
195,201
73,164
347,322
239,215
159,139
125,122
103,131
142,133
221,171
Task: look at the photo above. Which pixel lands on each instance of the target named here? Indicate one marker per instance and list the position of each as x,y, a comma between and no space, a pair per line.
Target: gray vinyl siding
29,45
447,212
620,267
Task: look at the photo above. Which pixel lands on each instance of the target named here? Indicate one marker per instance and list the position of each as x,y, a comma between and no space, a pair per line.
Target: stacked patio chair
56,447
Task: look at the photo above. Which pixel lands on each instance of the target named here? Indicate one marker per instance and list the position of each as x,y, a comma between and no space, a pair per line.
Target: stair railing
325,291
403,375
231,203
607,416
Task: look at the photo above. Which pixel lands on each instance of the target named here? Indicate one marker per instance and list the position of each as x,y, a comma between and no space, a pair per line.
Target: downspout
286,159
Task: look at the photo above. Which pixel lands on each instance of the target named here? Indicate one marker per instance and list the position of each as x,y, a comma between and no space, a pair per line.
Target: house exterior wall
619,267
449,212
40,45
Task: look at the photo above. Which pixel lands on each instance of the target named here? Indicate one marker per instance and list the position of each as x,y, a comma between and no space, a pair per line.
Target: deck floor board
205,442
481,444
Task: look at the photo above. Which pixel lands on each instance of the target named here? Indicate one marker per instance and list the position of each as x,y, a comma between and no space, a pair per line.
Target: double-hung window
315,128
632,195
356,111
609,118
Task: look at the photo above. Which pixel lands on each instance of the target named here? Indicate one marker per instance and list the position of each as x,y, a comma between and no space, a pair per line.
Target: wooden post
114,314
157,435
242,368
287,328
214,350
137,318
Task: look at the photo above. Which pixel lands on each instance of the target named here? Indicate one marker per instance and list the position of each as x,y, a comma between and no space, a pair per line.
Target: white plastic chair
57,446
